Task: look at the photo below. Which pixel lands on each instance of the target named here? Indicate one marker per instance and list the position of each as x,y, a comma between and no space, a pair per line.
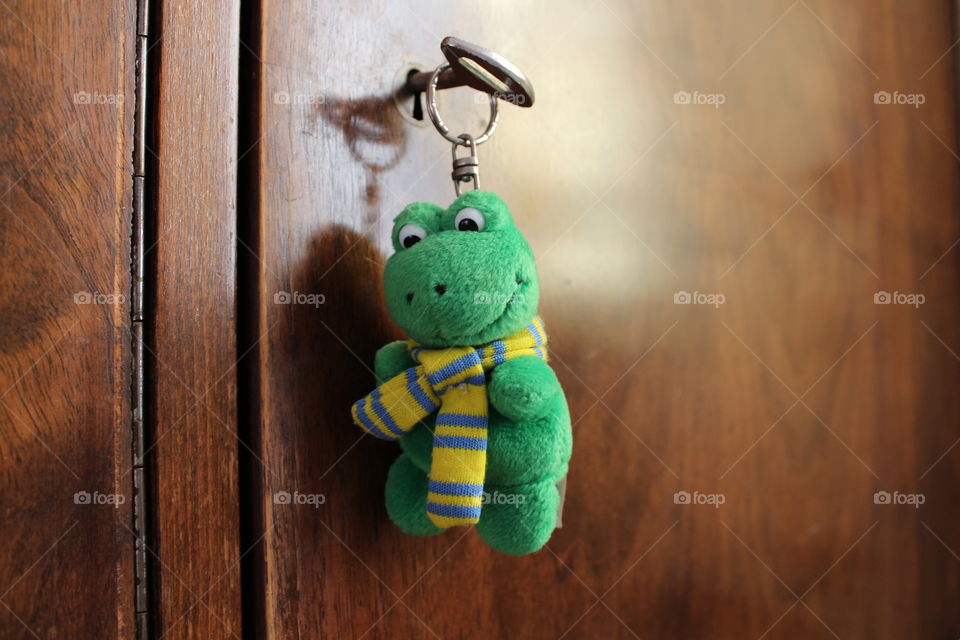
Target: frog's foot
519,520
407,498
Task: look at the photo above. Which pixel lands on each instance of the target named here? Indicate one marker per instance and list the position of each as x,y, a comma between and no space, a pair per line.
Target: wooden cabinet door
118,162
731,156
745,217
66,79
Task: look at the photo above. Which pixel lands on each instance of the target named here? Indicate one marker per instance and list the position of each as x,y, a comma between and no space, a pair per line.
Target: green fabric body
460,288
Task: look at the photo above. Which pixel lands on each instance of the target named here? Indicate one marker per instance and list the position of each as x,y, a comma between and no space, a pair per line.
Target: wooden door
745,217
727,154
66,181
120,520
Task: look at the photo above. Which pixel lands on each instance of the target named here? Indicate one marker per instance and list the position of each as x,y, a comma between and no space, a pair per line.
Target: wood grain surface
745,219
65,191
796,197
191,321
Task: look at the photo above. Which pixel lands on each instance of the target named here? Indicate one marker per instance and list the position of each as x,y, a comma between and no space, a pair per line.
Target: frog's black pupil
409,241
468,225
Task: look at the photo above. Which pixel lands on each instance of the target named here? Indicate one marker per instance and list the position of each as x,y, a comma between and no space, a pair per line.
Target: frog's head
460,276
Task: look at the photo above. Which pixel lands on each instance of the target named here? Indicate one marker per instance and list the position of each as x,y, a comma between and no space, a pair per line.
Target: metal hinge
138,241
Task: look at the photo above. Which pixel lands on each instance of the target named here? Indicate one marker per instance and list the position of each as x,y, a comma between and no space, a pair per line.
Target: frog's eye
469,219
411,234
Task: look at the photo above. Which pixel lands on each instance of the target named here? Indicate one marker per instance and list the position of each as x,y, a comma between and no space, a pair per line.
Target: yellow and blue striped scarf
454,380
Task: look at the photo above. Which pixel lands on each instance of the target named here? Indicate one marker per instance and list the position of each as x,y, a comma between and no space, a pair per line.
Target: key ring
438,121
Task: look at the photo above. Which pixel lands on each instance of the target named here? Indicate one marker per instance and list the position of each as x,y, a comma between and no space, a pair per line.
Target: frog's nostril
440,289
409,297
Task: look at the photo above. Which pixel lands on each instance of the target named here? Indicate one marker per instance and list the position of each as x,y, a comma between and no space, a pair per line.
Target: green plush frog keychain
479,414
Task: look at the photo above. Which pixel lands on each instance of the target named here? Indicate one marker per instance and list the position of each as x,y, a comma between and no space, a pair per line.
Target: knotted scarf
454,380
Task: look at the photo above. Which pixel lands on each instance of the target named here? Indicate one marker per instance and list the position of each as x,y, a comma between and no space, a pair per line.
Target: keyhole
417,98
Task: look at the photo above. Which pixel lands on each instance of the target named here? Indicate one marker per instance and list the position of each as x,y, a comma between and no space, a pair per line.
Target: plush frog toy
478,412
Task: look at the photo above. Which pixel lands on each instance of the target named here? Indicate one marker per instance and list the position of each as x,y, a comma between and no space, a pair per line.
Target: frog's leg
519,520
407,498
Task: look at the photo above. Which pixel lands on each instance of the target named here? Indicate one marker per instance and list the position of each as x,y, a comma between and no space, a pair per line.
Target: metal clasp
466,168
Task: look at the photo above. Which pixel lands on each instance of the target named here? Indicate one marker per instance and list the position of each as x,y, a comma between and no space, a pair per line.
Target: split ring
438,121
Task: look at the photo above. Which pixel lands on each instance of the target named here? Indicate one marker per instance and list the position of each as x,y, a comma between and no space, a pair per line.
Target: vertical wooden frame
193,449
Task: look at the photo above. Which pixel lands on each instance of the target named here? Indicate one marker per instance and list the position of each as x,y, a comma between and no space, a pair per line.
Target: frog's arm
523,388
391,359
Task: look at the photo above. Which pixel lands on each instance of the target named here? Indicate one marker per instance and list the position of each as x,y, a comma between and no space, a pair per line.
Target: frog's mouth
507,307
466,302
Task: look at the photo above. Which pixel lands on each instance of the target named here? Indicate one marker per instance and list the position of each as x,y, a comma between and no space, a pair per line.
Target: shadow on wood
375,135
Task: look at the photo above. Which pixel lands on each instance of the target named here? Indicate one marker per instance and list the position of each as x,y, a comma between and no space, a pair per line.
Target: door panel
193,346
66,565
795,397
